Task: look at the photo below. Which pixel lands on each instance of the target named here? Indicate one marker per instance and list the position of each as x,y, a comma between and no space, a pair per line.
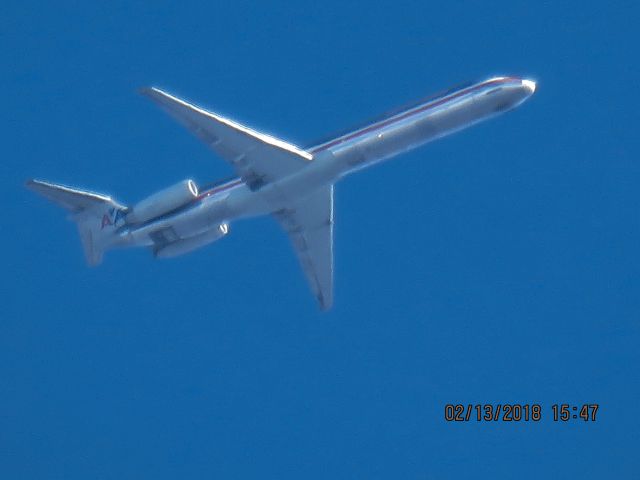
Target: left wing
309,224
258,158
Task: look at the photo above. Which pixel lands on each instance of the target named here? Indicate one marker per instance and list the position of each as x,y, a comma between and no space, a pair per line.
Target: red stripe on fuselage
219,188
414,111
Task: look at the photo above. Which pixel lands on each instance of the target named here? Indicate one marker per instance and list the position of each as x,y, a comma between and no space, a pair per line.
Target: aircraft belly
385,144
244,203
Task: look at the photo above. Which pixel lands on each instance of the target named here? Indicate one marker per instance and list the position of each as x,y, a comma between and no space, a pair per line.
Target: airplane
275,177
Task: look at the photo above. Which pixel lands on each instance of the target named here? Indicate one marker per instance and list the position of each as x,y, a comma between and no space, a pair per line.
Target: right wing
309,224
258,158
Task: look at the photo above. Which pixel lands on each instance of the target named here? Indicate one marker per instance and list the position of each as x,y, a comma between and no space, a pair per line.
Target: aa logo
112,217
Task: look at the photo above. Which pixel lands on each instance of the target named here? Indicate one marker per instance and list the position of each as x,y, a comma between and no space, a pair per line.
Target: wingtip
157,94
31,182
325,305
146,91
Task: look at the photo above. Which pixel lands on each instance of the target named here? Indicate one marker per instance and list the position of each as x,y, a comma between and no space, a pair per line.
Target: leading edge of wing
174,105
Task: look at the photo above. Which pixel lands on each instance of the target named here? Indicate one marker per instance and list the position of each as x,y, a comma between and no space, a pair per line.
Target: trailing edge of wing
258,158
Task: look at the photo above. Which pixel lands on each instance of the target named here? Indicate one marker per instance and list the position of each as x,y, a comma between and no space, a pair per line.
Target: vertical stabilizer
93,251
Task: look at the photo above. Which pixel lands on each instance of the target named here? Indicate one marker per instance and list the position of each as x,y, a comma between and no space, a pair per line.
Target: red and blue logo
113,217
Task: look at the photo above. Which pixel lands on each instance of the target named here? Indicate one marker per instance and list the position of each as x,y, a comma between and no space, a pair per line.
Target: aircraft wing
258,158
309,224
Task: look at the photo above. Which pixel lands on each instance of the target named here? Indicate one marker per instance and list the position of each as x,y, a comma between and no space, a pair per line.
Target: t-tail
96,215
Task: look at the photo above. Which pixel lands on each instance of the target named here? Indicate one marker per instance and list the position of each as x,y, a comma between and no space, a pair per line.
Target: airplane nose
530,85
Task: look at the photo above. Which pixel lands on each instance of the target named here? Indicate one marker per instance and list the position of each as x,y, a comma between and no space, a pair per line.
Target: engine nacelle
187,245
163,202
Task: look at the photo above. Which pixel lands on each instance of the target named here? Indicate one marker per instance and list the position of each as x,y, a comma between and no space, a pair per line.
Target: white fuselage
332,160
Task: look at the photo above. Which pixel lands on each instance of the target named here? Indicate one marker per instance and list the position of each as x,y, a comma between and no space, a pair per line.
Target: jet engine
164,201
187,245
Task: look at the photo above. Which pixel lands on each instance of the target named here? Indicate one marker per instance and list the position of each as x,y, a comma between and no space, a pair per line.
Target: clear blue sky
498,265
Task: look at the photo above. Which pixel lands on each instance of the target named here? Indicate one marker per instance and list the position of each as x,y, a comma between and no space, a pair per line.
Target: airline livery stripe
220,188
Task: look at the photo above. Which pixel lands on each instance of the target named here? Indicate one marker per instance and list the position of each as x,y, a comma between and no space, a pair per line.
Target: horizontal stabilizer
69,198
